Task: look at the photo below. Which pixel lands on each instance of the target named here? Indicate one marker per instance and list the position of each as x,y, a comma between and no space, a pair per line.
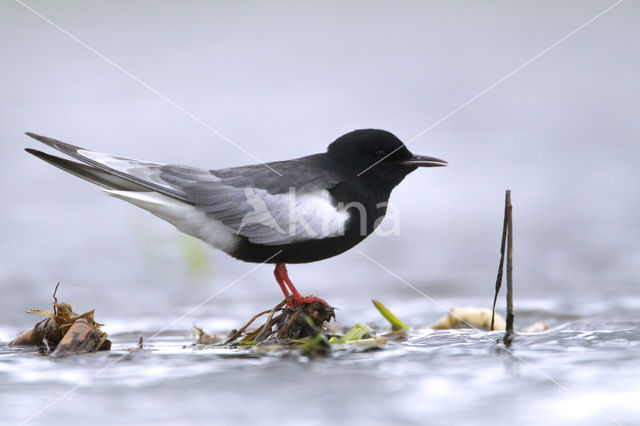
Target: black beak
423,161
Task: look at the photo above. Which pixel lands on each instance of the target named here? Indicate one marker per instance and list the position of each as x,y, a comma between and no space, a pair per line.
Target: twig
262,332
500,266
236,333
239,332
266,328
507,337
55,300
507,242
289,321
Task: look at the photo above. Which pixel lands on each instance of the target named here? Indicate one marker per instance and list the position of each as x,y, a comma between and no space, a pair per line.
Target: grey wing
256,203
295,207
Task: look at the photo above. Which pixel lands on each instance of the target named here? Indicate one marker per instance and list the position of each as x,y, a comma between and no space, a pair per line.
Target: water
579,372
283,81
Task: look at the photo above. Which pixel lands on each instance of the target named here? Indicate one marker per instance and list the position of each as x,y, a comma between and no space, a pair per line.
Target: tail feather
107,170
88,173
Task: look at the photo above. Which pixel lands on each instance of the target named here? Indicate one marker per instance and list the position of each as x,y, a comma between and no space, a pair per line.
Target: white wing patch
260,214
183,216
289,218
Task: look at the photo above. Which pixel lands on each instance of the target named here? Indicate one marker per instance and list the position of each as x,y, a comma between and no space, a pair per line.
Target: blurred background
284,80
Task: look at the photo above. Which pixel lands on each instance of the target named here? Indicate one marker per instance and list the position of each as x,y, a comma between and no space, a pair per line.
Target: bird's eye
380,154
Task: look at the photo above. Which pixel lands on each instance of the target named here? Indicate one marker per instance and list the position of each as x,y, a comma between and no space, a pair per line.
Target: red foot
283,281
308,299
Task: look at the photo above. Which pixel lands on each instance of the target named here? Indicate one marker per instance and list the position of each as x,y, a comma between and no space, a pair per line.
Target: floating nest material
64,332
284,324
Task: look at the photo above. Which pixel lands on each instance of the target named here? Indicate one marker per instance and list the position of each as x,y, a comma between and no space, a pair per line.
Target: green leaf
247,343
358,332
396,324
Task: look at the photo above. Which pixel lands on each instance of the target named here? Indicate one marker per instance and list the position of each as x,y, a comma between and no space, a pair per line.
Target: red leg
283,279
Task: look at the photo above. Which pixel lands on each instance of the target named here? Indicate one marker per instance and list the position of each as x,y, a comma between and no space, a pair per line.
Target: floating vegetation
305,327
64,332
470,318
284,324
396,324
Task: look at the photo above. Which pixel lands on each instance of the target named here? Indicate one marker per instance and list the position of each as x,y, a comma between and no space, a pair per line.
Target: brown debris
64,332
81,337
294,324
284,323
46,333
204,338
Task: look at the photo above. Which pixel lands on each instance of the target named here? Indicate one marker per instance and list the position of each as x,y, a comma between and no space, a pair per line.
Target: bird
284,212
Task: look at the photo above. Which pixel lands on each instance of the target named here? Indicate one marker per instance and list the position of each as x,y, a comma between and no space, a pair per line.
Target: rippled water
581,371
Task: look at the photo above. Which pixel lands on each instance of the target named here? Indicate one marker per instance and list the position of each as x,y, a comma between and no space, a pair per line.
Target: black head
378,155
